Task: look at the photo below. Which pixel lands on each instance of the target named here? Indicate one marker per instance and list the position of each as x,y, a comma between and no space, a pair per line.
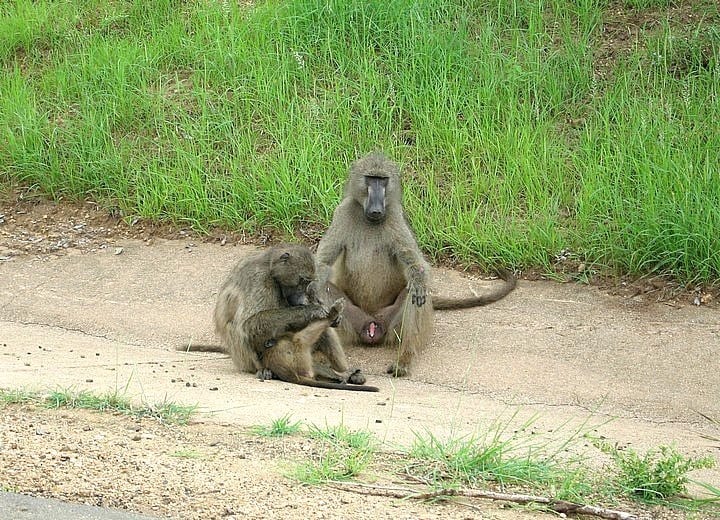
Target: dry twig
559,506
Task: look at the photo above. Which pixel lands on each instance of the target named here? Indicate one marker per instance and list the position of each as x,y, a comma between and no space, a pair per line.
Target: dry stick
559,506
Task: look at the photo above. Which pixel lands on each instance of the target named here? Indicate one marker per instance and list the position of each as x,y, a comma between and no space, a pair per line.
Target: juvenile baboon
290,357
264,297
369,256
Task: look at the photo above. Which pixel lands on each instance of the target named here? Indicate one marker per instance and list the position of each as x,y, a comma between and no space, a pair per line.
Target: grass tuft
278,428
343,455
10,396
166,412
507,458
658,476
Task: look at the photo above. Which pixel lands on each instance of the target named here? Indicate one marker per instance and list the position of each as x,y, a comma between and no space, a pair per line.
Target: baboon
264,297
290,357
369,256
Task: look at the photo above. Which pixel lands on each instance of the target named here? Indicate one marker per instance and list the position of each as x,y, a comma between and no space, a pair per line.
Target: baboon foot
372,332
264,374
356,378
398,370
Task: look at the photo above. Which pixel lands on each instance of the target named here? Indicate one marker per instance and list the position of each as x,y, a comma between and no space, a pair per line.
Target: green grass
658,476
508,458
343,455
10,396
278,428
513,459
166,412
514,147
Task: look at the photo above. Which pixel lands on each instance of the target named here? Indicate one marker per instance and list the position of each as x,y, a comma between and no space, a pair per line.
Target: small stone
136,437
213,388
118,251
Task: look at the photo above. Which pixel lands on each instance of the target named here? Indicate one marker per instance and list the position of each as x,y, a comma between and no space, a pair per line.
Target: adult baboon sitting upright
369,256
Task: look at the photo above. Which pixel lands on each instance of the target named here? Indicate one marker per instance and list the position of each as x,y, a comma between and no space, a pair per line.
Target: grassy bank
524,127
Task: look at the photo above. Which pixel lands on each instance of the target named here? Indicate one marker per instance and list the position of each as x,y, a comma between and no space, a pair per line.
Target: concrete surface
563,353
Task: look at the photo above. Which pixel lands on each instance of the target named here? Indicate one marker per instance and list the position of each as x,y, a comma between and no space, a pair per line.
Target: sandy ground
90,305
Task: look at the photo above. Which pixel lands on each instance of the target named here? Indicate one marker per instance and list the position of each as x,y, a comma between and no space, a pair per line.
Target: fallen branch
559,506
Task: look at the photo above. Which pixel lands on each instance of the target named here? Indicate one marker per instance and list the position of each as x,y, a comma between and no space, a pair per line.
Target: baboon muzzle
375,201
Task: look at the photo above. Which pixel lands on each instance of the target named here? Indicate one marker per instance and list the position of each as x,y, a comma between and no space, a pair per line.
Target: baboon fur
290,358
266,296
369,256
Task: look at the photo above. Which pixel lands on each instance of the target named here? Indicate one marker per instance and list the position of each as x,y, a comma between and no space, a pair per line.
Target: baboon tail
201,348
337,386
442,303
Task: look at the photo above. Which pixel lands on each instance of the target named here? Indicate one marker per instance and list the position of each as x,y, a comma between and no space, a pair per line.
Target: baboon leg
329,344
325,373
410,328
244,359
387,315
312,333
370,330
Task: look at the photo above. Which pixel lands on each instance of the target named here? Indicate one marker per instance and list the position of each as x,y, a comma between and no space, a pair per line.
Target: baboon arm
415,273
329,249
269,324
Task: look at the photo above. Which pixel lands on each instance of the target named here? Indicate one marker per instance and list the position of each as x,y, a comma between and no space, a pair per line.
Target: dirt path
82,306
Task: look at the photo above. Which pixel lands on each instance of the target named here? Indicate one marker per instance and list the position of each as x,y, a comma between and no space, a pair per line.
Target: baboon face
373,180
293,270
291,356
374,206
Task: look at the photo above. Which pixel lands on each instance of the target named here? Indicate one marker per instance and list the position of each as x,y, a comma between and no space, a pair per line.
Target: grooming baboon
290,357
370,257
264,297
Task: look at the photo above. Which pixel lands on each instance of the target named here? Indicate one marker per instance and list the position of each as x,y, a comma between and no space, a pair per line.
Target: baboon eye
371,178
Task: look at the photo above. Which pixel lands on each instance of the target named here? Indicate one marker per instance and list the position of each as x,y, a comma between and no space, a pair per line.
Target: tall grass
216,113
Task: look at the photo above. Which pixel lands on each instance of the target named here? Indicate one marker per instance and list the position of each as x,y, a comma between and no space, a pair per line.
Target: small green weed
341,434
187,454
657,476
167,412
278,428
345,453
17,396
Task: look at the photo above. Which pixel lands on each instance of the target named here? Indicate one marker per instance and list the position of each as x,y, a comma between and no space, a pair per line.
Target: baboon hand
418,291
335,312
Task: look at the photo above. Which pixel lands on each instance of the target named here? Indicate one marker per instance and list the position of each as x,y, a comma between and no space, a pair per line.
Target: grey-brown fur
264,297
370,256
290,358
